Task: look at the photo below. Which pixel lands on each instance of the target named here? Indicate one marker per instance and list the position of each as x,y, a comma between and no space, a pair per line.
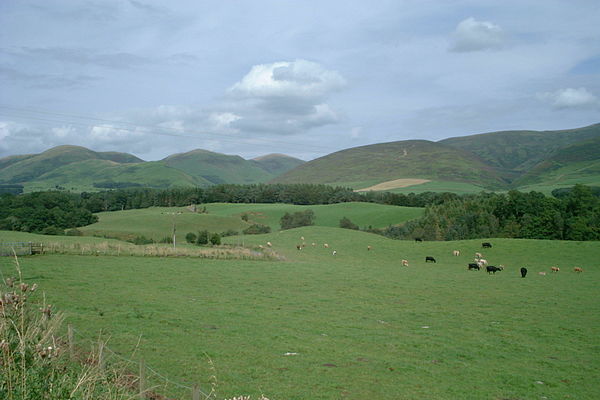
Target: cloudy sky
304,78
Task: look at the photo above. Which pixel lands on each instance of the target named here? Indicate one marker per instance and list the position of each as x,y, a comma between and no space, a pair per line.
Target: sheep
578,269
313,243
542,273
260,246
478,255
405,263
299,247
269,244
554,269
369,248
301,237
326,245
455,253
334,252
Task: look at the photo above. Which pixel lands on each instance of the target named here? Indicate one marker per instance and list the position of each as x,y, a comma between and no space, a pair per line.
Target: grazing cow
554,269
418,240
578,269
455,253
491,269
429,258
523,272
405,263
482,262
474,266
486,245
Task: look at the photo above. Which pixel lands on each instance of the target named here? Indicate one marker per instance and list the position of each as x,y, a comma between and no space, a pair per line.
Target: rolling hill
277,164
417,159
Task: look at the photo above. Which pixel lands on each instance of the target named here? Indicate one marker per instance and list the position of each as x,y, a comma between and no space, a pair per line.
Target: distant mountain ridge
81,169
494,161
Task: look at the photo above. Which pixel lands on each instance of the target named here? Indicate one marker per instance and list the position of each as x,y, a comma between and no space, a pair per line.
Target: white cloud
473,35
570,98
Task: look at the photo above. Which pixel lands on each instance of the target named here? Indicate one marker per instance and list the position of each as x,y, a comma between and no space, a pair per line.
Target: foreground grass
361,325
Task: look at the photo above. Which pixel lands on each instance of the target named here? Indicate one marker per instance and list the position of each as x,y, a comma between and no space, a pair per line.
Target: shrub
255,229
202,237
297,219
347,224
191,237
215,239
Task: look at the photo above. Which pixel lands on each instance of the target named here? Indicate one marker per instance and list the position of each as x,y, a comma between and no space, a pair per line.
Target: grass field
363,327
157,222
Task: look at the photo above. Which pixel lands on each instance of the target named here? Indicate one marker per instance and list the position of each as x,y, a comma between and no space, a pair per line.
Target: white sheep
405,263
456,253
326,245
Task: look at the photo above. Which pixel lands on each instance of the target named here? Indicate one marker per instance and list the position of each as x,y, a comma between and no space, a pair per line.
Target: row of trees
575,215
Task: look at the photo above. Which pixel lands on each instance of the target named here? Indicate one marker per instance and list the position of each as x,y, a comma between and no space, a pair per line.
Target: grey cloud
473,35
81,56
47,81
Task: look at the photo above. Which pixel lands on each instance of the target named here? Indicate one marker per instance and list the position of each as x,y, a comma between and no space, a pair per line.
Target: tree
297,219
347,224
191,237
215,239
202,237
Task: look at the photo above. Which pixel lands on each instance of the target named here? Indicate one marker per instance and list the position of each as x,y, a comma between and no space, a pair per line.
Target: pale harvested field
395,184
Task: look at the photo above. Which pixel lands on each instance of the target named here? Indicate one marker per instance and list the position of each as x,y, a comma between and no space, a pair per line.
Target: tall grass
35,361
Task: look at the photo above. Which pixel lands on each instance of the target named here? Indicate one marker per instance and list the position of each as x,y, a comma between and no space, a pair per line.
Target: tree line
568,215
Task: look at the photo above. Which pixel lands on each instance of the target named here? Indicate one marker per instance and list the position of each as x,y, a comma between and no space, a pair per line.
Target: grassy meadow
157,222
356,325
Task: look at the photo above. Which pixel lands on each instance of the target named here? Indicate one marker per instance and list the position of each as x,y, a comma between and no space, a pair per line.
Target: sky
303,78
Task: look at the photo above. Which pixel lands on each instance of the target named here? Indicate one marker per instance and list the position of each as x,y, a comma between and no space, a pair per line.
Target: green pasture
358,325
157,222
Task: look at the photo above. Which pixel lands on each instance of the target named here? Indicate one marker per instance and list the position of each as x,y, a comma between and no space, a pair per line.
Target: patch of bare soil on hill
395,184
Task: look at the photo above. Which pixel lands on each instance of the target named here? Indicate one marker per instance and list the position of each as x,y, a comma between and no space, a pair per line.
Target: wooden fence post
101,355
142,379
71,342
196,392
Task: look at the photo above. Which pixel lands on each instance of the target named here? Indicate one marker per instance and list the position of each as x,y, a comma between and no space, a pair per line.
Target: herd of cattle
478,263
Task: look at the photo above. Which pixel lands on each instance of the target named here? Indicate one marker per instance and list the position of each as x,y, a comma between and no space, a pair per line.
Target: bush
202,238
297,219
256,229
347,224
215,239
191,237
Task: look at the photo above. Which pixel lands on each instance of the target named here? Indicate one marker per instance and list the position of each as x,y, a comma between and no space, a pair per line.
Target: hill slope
514,152
218,168
419,159
30,167
277,164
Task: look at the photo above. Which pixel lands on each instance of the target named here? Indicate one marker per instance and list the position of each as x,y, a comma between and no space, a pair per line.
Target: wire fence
146,372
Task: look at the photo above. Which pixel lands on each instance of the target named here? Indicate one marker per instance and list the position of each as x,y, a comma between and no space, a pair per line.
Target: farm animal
486,245
482,262
542,273
369,248
523,272
325,245
554,269
473,266
260,246
299,247
405,263
455,253
334,252
429,258
313,243
302,238
492,269
269,244
578,269
478,255
418,240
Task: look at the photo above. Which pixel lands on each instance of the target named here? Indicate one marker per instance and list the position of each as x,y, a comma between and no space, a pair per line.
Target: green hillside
218,168
516,151
90,175
386,161
157,222
6,161
31,167
277,164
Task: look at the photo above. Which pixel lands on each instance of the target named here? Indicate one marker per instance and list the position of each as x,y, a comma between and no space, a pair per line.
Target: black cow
523,272
474,266
429,258
491,269
486,245
418,240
